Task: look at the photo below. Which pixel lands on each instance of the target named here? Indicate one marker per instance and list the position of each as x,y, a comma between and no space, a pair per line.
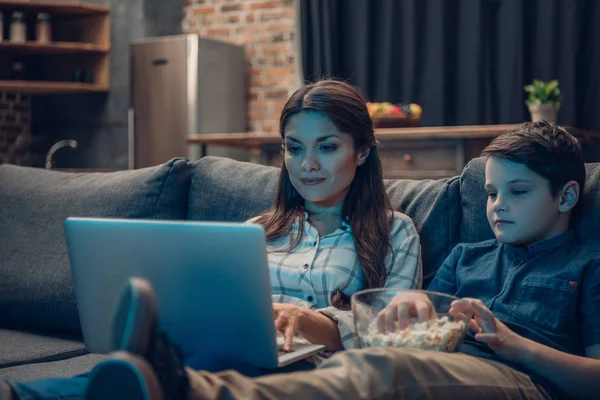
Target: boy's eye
492,195
519,192
328,148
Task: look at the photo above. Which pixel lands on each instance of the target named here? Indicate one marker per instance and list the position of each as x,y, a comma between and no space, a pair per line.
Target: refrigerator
180,85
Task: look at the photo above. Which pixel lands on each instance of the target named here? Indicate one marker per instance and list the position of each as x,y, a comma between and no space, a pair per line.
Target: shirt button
309,298
305,266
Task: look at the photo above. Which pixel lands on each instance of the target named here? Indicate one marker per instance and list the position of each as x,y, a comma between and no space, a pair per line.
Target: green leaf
543,92
552,86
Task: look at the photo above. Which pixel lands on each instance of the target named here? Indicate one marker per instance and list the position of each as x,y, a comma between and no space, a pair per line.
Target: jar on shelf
43,28
18,29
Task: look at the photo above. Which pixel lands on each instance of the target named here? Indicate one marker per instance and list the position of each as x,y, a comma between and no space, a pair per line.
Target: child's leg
377,373
374,373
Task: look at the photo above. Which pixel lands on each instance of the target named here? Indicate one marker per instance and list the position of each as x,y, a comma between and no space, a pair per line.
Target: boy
534,293
542,286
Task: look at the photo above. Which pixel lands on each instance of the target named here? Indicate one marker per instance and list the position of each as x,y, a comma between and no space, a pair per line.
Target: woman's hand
312,325
288,319
491,331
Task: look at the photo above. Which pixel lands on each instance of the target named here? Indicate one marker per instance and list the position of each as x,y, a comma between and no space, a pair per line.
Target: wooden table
416,153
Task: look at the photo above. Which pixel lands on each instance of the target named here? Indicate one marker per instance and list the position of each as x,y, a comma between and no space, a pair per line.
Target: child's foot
148,365
5,391
124,376
134,321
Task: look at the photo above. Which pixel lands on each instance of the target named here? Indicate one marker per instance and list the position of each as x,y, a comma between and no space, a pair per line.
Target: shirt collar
544,246
345,223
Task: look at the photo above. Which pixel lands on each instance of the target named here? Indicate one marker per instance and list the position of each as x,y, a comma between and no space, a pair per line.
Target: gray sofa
39,324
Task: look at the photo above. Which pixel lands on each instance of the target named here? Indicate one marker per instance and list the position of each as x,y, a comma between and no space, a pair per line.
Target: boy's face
521,209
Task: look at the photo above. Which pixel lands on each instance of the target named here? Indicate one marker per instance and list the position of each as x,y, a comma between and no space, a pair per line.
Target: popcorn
440,334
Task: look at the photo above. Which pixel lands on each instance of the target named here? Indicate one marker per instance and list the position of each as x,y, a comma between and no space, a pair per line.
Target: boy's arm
575,375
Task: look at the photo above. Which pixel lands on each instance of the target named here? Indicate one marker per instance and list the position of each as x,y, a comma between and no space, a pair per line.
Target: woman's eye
328,148
292,149
492,195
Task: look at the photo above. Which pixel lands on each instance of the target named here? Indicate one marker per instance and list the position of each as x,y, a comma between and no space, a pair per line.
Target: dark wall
464,61
98,121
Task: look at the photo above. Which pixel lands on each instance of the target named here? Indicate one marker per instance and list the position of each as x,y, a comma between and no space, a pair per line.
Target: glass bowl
402,326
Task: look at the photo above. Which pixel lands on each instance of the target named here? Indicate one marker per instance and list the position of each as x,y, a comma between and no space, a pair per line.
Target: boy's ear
569,196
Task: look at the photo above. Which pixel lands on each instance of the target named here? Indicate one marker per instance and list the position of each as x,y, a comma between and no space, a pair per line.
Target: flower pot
545,111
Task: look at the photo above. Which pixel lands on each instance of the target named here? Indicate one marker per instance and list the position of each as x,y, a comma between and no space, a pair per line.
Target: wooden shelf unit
54,7
76,60
52,48
50,87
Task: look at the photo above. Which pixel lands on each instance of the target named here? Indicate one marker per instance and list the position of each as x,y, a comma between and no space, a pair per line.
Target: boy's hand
491,331
402,308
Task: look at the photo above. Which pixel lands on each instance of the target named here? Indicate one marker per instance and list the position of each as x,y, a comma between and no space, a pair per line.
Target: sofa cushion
587,226
474,226
35,278
227,190
17,348
434,207
56,369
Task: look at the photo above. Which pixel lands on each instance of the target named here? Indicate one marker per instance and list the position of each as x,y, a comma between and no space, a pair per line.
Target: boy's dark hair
549,150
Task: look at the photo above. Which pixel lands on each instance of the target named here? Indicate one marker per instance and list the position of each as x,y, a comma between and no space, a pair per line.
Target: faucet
63,143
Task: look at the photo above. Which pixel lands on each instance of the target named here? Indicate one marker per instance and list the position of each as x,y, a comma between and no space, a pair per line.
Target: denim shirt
548,292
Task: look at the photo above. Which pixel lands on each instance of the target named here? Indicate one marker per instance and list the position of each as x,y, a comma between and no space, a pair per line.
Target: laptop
211,281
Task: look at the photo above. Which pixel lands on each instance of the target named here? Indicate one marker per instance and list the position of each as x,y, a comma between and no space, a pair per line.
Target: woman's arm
404,272
318,328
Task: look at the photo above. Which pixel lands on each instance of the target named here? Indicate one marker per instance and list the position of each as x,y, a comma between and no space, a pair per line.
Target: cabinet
409,153
76,59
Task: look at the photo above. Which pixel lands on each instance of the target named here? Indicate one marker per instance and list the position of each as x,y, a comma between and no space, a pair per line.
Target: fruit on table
416,110
407,110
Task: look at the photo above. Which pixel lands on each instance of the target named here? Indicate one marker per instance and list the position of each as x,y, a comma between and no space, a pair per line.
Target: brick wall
267,28
15,137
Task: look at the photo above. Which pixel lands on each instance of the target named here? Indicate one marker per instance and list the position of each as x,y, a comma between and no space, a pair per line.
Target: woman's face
321,160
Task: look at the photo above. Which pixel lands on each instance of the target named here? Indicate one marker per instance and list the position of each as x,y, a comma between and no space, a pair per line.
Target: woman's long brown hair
366,206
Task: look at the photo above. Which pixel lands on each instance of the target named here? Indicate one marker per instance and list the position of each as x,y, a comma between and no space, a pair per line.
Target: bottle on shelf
1,26
18,71
18,29
43,28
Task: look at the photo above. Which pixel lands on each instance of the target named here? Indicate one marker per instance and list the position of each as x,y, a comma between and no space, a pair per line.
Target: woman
332,227
331,230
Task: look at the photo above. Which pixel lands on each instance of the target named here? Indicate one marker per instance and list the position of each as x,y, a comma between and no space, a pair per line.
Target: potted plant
544,100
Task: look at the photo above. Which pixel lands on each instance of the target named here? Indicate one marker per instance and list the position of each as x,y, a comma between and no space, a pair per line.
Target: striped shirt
309,274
